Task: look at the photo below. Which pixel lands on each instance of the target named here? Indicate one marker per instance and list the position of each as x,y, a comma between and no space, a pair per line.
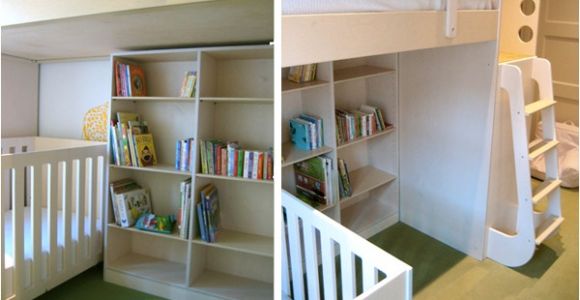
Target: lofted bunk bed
431,68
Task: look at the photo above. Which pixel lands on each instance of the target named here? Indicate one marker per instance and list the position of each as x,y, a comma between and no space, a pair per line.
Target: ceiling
222,22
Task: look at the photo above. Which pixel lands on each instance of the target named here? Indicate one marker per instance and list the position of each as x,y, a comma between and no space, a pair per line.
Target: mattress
9,241
292,7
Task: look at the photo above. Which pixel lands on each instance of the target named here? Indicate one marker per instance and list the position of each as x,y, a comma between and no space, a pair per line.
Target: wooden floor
440,272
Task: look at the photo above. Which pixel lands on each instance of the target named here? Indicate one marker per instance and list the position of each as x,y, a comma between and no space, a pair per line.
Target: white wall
67,91
19,97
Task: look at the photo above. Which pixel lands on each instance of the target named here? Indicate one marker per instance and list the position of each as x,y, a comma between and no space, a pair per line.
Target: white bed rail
311,240
67,187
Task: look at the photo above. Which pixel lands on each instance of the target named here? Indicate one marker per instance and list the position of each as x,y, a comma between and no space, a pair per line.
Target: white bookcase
233,102
372,161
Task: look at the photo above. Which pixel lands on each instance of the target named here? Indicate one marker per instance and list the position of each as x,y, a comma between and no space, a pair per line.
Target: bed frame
46,182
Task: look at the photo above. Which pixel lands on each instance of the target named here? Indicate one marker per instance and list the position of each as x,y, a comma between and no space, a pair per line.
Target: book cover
300,134
184,155
137,75
145,149
241,160
311,175
132,204
295,74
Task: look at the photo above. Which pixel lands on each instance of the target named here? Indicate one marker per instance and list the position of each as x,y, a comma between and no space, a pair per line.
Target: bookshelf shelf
242,242
232,287
159,168
151,268
237,99
359,72
241,179
368,218
153,98
364,180
366,138
290,86
292,155
173,236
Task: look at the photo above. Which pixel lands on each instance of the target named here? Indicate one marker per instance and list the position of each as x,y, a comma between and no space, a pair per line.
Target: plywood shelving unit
233,102
372,160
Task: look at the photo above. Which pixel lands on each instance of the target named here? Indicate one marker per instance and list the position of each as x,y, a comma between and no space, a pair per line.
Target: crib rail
67,183
319,260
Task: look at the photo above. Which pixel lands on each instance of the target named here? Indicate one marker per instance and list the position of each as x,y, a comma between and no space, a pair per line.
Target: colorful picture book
307,132
188,84
208,214
228,159
131,142
183,154
344,187
129,201
155,223
304,73
366,121
314,180
129,80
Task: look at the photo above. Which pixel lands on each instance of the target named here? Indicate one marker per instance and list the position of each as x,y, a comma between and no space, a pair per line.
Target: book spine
218,159
121,204
126,155
209,157
117,80
128,76
178,154
270,166
255,164
181,210
202,155
235,162
260,167
183,155
241,154
246,164
224,164
200,221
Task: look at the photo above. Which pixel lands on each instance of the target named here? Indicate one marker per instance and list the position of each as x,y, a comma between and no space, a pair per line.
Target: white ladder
532,227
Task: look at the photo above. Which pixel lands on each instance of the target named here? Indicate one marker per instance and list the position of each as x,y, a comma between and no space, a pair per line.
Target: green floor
439,272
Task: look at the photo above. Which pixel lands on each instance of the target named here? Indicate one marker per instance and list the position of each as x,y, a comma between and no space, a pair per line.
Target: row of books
188,84
365,121
183,154
314,181
129,201
344,187
304,73
185,200
131,142
307,132
228,159
208,214
129,80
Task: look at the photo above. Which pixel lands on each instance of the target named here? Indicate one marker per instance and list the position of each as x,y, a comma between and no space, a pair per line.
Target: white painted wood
310,250
234,178
544,189
397,273
327,37
159,168
538,106
242,242
542,147
512,19
445,129
285,277
36,205
451,19
18,228
215,22
292,155
364,180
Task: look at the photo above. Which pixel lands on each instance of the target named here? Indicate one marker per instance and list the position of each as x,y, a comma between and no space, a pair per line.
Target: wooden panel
328,37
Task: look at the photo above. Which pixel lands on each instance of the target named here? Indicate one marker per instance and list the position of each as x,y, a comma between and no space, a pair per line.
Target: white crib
311,240
52,212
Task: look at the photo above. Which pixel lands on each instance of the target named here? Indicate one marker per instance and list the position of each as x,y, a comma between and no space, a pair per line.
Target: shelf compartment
151,268
232,287
154,98
292,155
242,242
160,168
547,228
367,218
241,179
290,86
364,180
238,99
173,236
538,106
366,138
359,72
544,189
541,147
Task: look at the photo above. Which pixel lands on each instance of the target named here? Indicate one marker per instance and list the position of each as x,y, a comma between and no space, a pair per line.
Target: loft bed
323,30
432,70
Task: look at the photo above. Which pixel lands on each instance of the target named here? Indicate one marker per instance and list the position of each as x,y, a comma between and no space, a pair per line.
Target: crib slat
92,206
369,274
295,256
101,172
18,230
36,207
285,266
82,200
4,200
52,177
347,272
311,253
66,180
328,266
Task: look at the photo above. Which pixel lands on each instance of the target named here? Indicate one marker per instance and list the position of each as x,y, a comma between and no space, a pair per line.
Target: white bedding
292,7
8,241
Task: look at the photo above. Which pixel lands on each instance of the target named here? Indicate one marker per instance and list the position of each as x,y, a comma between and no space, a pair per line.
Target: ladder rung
547,228
537,149
545,189
538,105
